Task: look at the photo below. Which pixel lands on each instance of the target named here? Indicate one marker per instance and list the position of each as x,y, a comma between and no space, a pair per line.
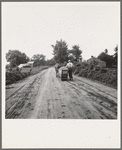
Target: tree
76,51
39,59
106,51
15,57
60,51
107,58
50,62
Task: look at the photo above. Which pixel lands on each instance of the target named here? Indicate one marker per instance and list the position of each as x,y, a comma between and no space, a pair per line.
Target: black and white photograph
61,63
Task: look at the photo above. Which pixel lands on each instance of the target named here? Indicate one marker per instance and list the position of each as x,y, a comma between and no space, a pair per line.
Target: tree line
15,57
61,54
60,51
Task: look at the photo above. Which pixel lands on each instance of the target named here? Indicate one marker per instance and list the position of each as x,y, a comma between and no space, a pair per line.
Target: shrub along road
43,96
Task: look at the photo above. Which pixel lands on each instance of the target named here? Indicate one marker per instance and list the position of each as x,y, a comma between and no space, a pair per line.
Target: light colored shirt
69,65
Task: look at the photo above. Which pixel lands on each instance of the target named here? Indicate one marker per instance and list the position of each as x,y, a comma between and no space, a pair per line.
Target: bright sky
32,27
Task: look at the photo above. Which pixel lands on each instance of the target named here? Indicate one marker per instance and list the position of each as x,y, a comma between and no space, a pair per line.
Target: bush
83,72
92,71
16,75
13,76
76,71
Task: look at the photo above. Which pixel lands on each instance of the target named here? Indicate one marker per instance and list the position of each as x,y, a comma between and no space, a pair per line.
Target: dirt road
43,96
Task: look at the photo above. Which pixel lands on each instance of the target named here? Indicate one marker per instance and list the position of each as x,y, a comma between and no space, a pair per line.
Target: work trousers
70,73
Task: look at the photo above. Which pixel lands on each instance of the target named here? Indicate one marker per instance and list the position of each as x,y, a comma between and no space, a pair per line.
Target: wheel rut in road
43,96
95,98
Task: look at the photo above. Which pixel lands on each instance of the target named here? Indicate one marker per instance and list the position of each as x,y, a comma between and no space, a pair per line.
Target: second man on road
70,67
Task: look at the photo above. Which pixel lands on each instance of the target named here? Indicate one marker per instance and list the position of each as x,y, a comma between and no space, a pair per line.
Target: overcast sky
32,27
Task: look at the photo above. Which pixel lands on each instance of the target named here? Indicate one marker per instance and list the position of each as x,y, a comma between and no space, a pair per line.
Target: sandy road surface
43,96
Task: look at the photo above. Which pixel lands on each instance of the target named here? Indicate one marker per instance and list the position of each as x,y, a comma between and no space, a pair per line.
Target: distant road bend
43,96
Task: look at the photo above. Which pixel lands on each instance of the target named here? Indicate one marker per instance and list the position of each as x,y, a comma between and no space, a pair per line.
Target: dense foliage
91,71
76,52
39,59
111,60
15,75
107,58
60,51
51,62
15,57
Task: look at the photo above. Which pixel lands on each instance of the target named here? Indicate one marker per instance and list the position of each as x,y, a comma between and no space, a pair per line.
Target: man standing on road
57,66
70,66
